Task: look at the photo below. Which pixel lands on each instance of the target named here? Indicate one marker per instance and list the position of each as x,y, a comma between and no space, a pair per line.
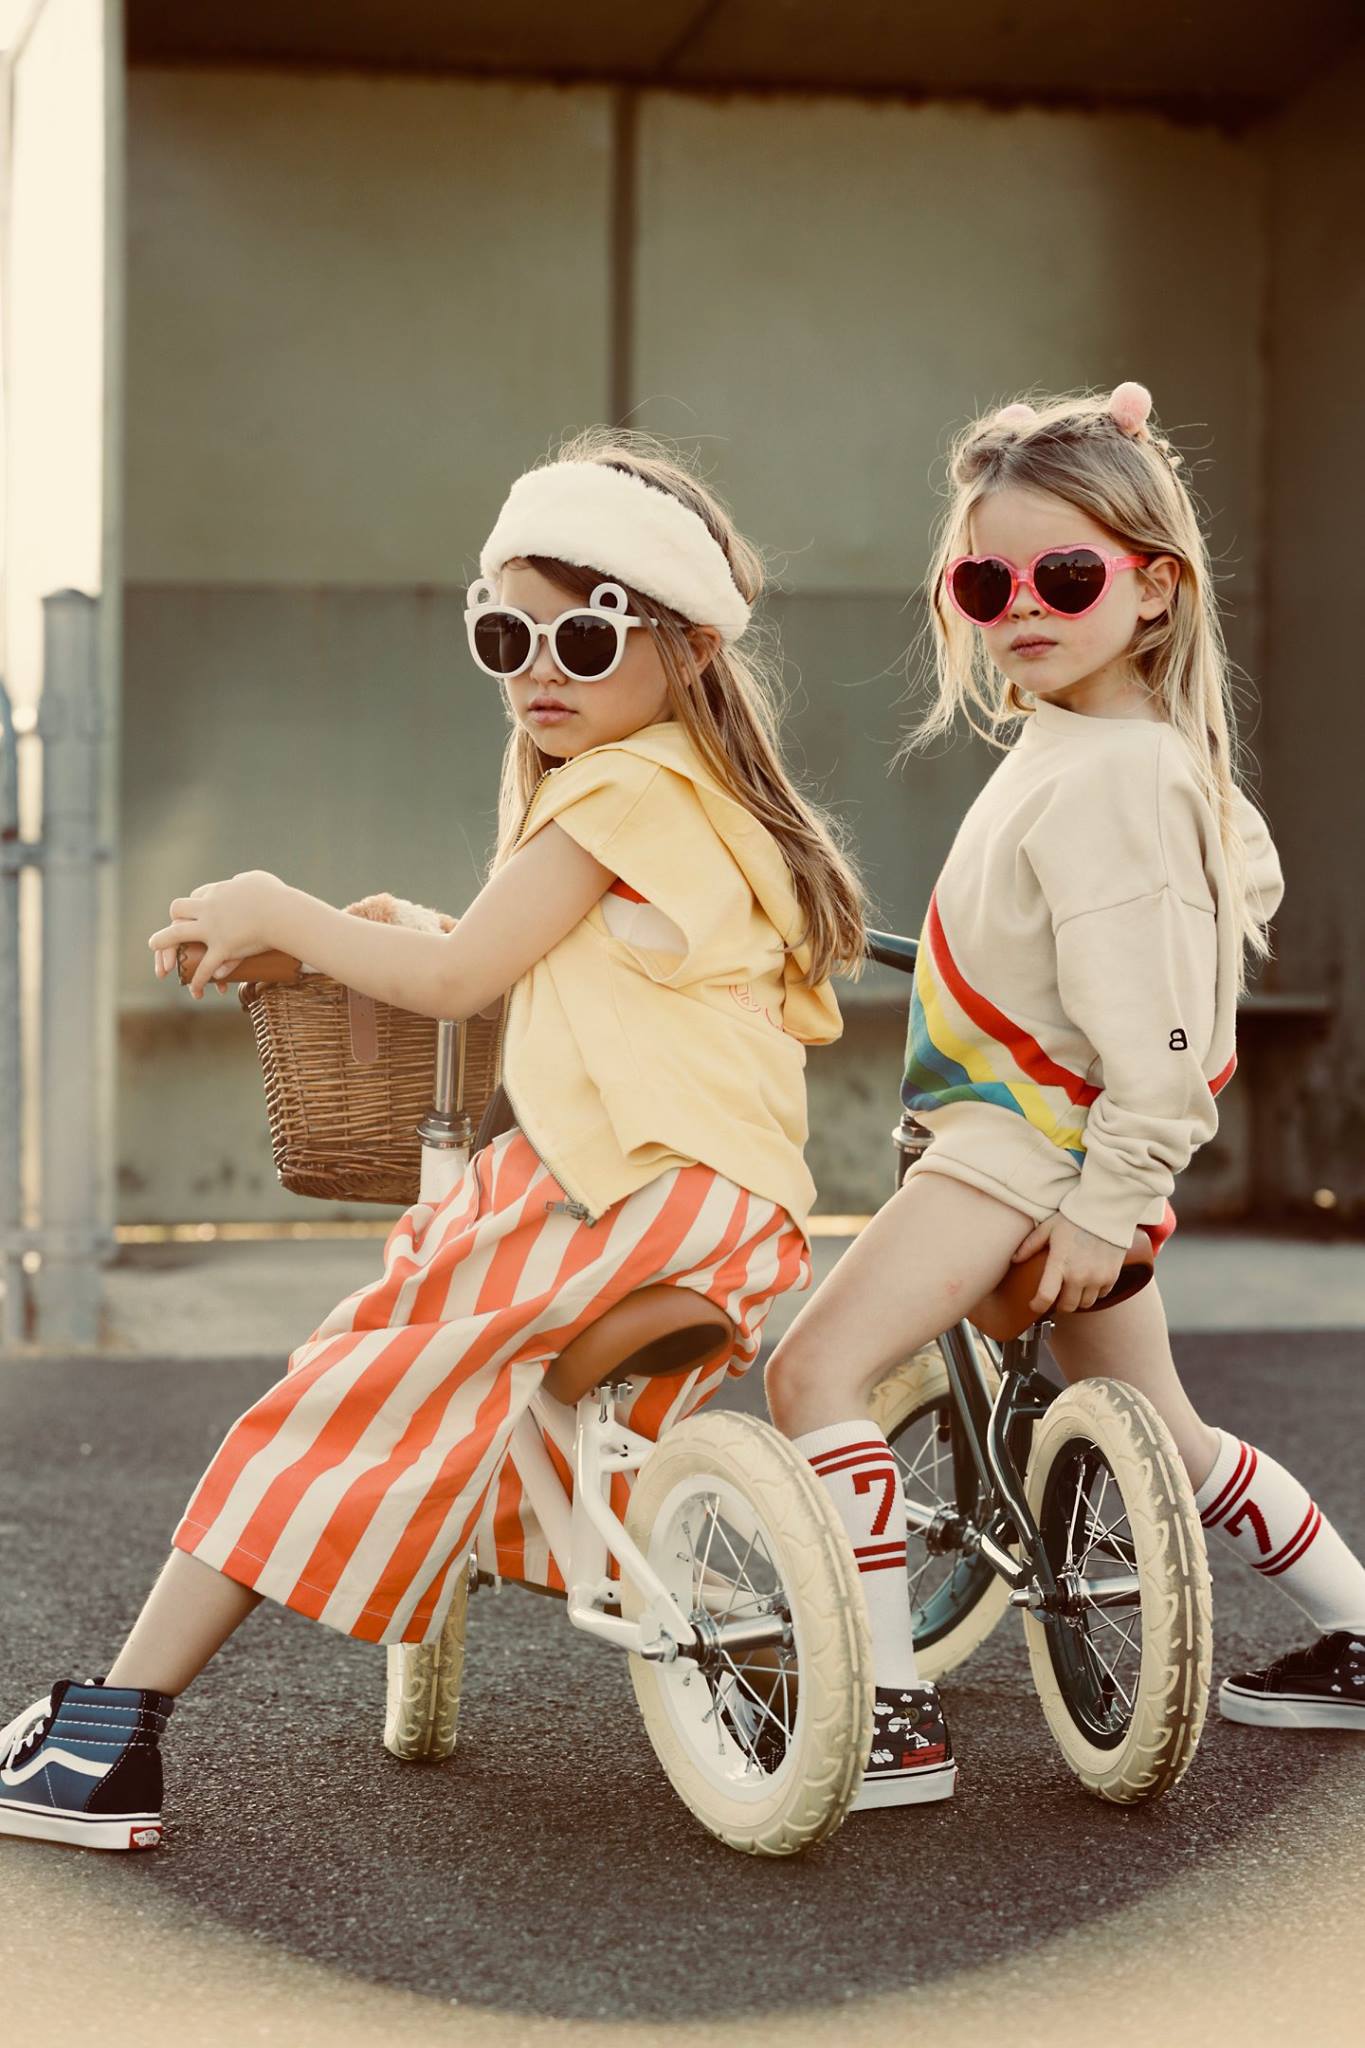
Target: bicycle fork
988,1434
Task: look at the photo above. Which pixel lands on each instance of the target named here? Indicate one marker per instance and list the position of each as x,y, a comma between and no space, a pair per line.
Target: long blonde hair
1073,448
731,710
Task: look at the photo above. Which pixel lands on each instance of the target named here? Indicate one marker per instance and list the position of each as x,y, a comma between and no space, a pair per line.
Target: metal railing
51,1267
13,1308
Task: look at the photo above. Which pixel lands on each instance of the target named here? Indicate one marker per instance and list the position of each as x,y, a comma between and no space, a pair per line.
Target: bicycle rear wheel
956,1600
1123,1669
422,1694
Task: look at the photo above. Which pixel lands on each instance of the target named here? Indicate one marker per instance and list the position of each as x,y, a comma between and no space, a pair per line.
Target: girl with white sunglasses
664,912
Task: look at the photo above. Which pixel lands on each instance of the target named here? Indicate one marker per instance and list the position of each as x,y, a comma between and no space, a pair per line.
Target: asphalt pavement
547,1873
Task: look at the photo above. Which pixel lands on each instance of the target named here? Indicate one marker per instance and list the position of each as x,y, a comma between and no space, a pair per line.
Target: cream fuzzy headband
602,518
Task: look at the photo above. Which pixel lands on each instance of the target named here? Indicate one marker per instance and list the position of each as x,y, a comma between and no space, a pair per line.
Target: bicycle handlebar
891,950
268,967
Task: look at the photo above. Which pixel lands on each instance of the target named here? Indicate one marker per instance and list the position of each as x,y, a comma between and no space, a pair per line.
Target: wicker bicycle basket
348,1080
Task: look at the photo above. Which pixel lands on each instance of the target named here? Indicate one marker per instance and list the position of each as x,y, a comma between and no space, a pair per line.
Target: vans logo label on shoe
143,1838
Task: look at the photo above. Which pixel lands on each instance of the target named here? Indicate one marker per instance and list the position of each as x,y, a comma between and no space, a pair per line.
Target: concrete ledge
235,1300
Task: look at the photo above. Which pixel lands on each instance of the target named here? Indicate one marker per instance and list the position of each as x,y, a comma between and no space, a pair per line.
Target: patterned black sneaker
1320,1687
83,1766
912,1757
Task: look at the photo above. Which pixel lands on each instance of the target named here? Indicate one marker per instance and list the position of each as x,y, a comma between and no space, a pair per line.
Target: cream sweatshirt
1074,1008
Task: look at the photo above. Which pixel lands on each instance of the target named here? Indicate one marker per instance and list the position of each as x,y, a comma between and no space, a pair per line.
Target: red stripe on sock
1233,1491
822,1458
1284,1549
882,1467
1294,1550
879,1549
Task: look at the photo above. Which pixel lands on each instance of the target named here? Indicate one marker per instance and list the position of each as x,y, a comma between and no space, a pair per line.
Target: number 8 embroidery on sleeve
1178,1041
888,1478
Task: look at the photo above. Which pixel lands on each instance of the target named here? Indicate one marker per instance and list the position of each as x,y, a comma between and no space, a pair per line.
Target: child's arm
526,909
1139,980
1121,865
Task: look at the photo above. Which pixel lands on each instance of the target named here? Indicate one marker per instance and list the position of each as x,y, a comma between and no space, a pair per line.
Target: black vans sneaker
83,1766
1321,1687
912,1758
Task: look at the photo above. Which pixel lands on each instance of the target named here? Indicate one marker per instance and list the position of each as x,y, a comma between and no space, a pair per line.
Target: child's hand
230,919
1081,1268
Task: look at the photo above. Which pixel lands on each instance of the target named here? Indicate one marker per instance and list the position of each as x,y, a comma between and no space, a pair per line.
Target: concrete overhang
1226,56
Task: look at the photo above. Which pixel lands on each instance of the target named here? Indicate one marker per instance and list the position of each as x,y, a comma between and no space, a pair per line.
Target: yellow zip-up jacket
622,1061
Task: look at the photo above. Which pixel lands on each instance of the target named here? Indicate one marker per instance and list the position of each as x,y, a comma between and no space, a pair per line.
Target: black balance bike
1072,1506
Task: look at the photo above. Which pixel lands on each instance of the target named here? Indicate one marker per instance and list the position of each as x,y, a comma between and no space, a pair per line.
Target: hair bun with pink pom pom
1019,414
1130,408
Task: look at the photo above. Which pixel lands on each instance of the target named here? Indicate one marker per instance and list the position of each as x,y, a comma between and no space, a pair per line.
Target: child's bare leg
923,1260
1131,1342
188,1616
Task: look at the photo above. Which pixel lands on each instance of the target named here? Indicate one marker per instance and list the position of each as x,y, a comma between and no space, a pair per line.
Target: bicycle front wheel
765,1743
1122,1668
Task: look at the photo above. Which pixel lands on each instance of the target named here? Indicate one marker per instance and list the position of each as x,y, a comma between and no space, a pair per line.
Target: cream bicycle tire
1171,1691
422,1700
920,1382
750,1470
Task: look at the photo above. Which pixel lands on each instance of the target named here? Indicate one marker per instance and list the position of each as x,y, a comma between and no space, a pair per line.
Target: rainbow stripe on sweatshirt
962,1048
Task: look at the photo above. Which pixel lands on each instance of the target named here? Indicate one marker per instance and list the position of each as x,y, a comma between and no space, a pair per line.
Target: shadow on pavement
548,1868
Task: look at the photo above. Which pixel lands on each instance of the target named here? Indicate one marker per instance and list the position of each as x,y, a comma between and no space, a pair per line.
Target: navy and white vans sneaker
83,1766
1320,1687
912,1757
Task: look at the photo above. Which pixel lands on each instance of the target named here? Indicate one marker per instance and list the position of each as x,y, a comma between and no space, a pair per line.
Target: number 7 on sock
863,1482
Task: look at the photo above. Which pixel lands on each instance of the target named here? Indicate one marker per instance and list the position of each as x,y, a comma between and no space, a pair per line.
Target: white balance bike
734,1594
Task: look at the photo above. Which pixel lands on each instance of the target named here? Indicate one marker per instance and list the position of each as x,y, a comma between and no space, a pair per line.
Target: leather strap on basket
364,1028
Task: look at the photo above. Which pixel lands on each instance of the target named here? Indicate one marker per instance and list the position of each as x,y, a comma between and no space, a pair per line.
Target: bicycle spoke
1075,1510
1109,1534
1115,1628
916,1579
1094,1510
741,1564
1109,1672
713,1509
1097,1651
913,1473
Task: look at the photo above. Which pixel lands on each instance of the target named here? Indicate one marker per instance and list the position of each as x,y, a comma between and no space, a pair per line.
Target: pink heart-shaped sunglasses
1067,581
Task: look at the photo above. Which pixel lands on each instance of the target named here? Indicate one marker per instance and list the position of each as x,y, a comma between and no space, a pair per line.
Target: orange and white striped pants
350,1490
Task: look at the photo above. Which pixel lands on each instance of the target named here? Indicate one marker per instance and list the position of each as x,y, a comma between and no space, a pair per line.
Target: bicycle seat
656,1330
1005,1314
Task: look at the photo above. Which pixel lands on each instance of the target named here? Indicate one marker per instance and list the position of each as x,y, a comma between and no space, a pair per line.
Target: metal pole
76,1235
12,1308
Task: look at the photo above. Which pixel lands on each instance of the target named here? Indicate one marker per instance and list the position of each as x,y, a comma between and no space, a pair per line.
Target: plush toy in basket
348,1079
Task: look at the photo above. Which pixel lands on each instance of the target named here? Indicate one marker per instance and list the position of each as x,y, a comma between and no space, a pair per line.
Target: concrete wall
1311,1105
356,307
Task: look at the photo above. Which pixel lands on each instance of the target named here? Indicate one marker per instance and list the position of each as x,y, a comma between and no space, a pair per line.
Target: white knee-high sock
853,1460
1275,1526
